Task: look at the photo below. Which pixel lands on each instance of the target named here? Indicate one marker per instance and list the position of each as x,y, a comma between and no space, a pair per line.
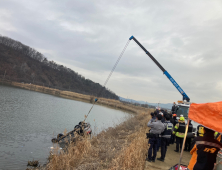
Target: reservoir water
29,120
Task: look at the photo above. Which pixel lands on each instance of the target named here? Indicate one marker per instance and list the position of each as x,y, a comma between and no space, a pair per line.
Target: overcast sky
88,37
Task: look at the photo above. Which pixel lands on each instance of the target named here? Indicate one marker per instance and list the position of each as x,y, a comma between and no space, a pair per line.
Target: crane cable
110,74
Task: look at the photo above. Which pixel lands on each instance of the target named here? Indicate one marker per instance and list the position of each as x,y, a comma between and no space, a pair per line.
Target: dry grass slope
120,148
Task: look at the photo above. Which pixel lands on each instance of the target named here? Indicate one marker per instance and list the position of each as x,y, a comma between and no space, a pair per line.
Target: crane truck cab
182,108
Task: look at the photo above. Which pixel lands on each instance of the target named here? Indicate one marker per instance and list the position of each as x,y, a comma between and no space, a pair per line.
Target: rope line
110,74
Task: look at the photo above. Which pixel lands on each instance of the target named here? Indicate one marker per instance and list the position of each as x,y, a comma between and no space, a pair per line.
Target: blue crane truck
182,107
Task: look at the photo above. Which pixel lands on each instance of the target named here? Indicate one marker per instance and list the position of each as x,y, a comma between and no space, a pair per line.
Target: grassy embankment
122,147
72,95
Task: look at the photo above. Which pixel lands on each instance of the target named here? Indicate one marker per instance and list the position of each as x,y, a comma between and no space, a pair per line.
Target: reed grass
117,148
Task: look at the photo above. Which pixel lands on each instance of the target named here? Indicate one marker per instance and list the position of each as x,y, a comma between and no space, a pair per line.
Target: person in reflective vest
200,130
179,131
204,151
165,137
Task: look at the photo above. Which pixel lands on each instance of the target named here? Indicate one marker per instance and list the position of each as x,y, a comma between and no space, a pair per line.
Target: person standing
188,139
159,139
179,131
173,108
163,118
153,117
157,128
200,130
174,122
165,137
204,151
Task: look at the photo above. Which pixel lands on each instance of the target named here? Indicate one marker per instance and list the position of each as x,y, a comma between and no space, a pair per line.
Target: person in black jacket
173,108
165,137
188,140
204,151
174,122
153,117
157,127
163,118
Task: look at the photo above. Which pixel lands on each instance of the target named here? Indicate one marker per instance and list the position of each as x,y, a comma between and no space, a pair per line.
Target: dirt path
172,158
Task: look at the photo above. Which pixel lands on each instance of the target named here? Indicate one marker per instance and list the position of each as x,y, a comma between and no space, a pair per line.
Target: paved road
172,158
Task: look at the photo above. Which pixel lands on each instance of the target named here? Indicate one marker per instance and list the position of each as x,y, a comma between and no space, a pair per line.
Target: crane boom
185,97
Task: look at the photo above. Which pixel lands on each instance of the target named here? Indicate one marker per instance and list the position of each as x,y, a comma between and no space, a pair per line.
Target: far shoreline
110,103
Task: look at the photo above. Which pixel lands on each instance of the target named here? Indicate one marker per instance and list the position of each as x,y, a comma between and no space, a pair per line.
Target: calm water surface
29,120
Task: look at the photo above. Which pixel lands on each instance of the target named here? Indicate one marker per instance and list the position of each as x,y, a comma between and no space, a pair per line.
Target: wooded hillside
21,63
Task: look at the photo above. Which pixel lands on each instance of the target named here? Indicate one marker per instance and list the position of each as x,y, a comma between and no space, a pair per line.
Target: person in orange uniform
204,151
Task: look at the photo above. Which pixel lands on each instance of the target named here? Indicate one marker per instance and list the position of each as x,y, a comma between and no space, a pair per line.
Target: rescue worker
173,108
157,128
165,137
200,130
204,151
174,122
179,131
188,139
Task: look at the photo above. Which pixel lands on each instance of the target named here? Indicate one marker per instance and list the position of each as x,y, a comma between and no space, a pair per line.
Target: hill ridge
19,62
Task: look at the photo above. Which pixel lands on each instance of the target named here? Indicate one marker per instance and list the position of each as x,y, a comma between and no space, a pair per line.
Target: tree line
26,64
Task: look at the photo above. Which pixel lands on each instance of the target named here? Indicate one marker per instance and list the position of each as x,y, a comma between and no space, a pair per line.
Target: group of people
165,129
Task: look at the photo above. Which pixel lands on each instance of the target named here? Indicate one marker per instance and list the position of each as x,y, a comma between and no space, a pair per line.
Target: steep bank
122,147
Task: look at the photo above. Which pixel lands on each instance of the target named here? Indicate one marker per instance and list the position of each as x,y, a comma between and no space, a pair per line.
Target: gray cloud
88,36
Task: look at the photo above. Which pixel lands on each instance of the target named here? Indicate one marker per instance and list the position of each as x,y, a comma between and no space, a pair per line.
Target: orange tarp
207,114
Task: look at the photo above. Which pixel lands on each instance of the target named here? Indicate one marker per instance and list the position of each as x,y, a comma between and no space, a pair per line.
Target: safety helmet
182,119
174,115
